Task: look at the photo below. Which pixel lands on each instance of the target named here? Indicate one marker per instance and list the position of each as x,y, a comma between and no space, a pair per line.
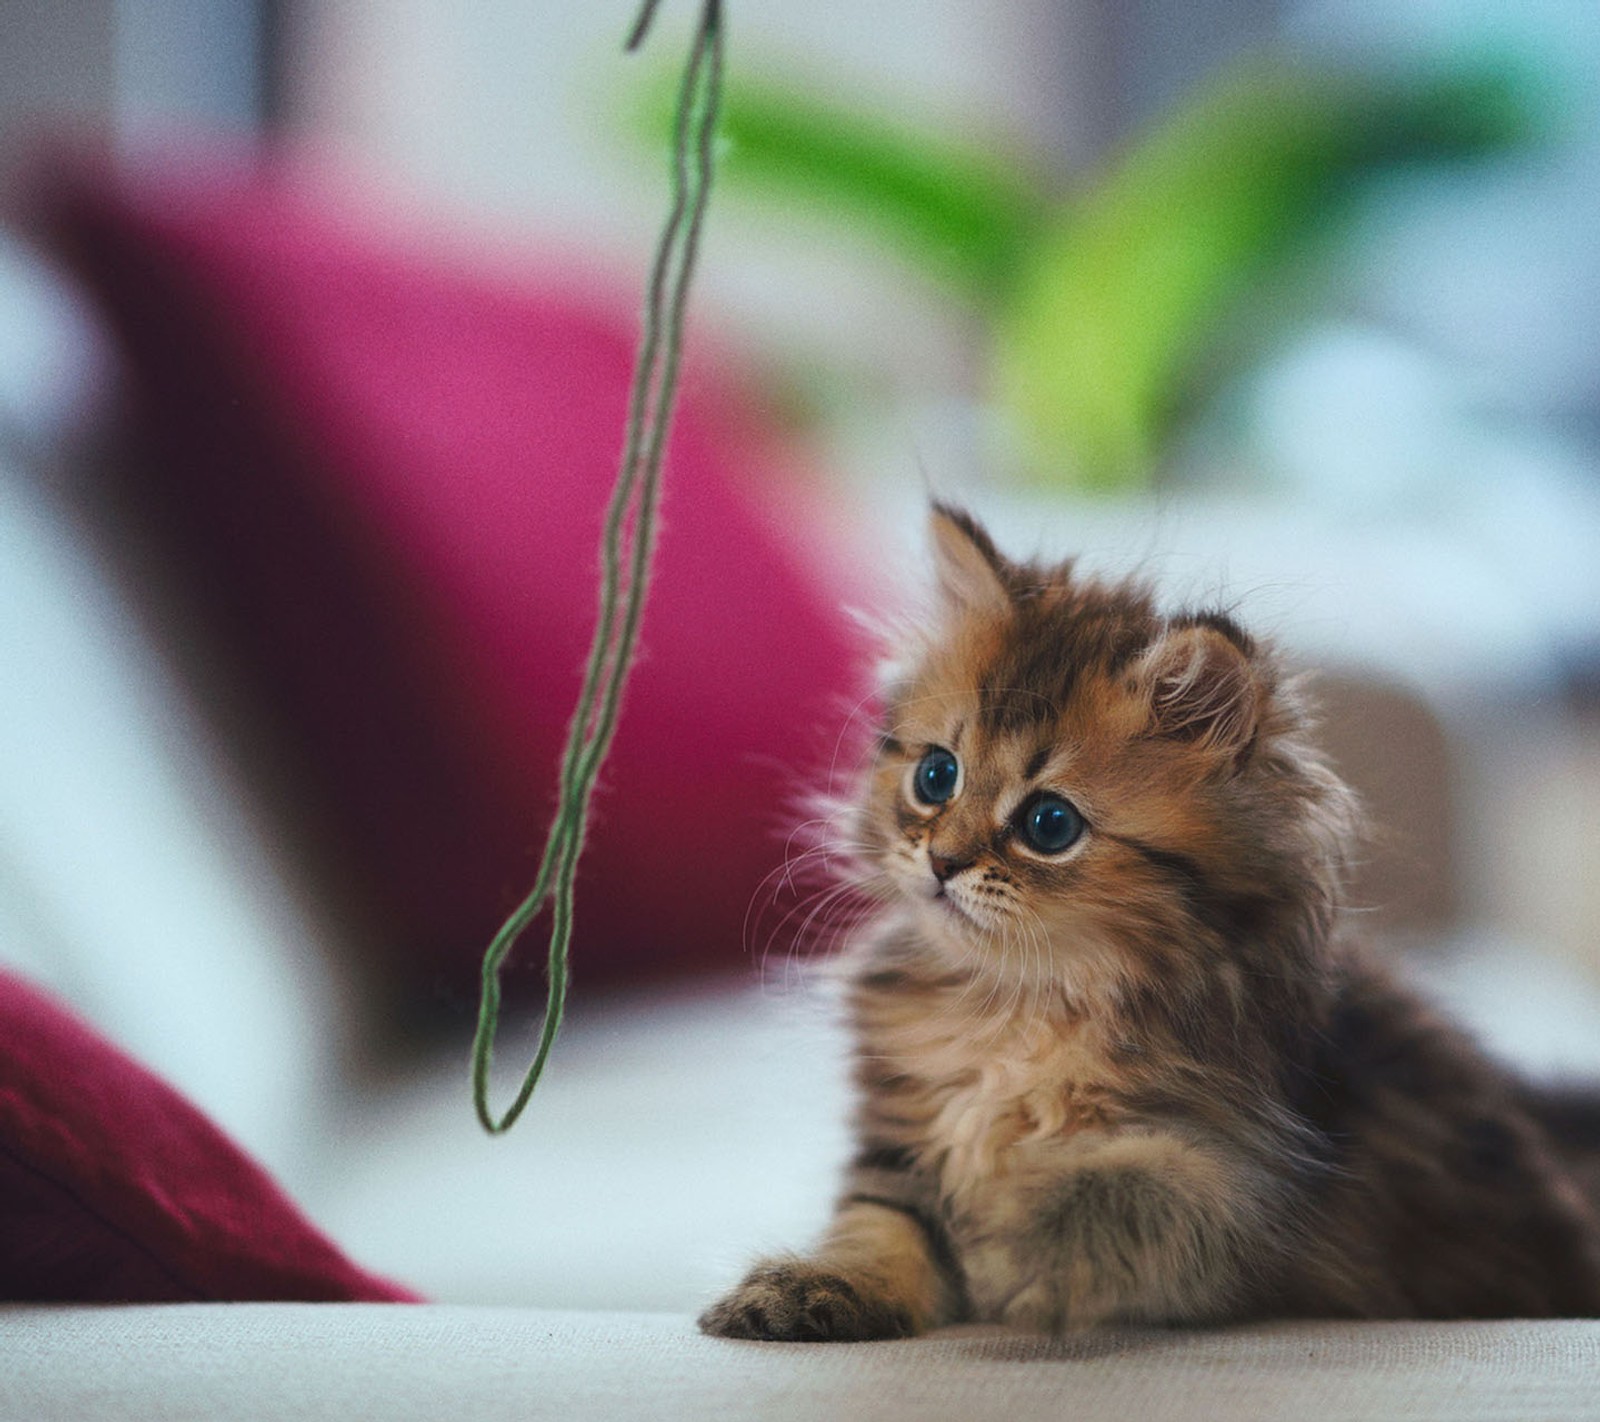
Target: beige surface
298,1361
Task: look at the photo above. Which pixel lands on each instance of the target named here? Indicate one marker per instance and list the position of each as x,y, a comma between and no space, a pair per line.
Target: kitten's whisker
812,905
814,909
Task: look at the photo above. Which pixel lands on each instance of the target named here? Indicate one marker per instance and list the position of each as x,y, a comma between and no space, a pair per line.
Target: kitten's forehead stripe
1056,644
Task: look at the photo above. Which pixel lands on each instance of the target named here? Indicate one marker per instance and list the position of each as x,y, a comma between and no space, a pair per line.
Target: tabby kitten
1117,1058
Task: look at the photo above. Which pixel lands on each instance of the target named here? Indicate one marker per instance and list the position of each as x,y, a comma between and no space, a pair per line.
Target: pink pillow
114,1188
384,480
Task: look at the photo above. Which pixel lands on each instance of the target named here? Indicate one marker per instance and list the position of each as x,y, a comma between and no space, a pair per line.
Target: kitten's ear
970,570
1203,688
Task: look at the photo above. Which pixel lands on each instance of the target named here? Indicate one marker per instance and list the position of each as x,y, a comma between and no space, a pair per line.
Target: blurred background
315,324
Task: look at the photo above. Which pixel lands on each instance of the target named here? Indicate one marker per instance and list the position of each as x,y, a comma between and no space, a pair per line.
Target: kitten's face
1057,781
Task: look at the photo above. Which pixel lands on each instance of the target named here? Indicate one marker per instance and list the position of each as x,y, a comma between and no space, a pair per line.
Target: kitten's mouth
943,902
926,890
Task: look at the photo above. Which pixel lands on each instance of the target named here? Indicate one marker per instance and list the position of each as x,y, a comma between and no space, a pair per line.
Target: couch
360,1360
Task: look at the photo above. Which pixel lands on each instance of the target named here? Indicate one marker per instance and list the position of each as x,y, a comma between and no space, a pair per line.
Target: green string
625,549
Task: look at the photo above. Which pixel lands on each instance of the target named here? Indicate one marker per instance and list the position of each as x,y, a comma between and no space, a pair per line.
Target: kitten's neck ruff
996,987
987,1069
1240,1007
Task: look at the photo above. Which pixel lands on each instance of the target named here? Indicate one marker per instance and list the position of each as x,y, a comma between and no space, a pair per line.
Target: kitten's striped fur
1147,1078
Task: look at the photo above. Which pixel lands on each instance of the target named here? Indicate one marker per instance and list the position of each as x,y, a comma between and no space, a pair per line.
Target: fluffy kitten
1116,1057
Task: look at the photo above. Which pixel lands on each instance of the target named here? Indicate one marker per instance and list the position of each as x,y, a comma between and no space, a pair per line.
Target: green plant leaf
961,212
1122,294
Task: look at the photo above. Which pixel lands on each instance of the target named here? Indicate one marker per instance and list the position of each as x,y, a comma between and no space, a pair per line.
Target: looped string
625,550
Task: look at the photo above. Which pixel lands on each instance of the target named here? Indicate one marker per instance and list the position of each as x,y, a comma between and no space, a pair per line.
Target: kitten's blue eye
1050,824
936,776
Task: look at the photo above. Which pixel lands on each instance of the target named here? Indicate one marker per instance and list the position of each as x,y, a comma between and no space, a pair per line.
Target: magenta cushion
114,1188
385,477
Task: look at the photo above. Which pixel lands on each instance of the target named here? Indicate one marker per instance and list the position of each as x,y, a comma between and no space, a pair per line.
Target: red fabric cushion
387,478
114,1188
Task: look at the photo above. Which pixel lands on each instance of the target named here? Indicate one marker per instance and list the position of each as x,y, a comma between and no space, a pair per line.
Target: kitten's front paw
796,1301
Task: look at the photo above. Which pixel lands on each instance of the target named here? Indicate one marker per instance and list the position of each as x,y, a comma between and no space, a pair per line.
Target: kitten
1117,1058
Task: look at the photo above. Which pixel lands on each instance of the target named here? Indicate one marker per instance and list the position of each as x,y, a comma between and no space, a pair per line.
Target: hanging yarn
625,549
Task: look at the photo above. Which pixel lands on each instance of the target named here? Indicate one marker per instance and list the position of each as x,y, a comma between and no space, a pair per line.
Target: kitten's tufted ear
971,572
1203,687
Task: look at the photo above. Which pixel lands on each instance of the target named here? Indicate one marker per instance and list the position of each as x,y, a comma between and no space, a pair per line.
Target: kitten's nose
944,866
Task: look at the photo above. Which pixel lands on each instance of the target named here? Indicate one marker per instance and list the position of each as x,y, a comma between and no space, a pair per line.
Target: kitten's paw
796,1301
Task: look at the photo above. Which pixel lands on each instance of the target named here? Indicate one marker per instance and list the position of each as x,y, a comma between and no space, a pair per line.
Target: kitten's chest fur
988,1090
